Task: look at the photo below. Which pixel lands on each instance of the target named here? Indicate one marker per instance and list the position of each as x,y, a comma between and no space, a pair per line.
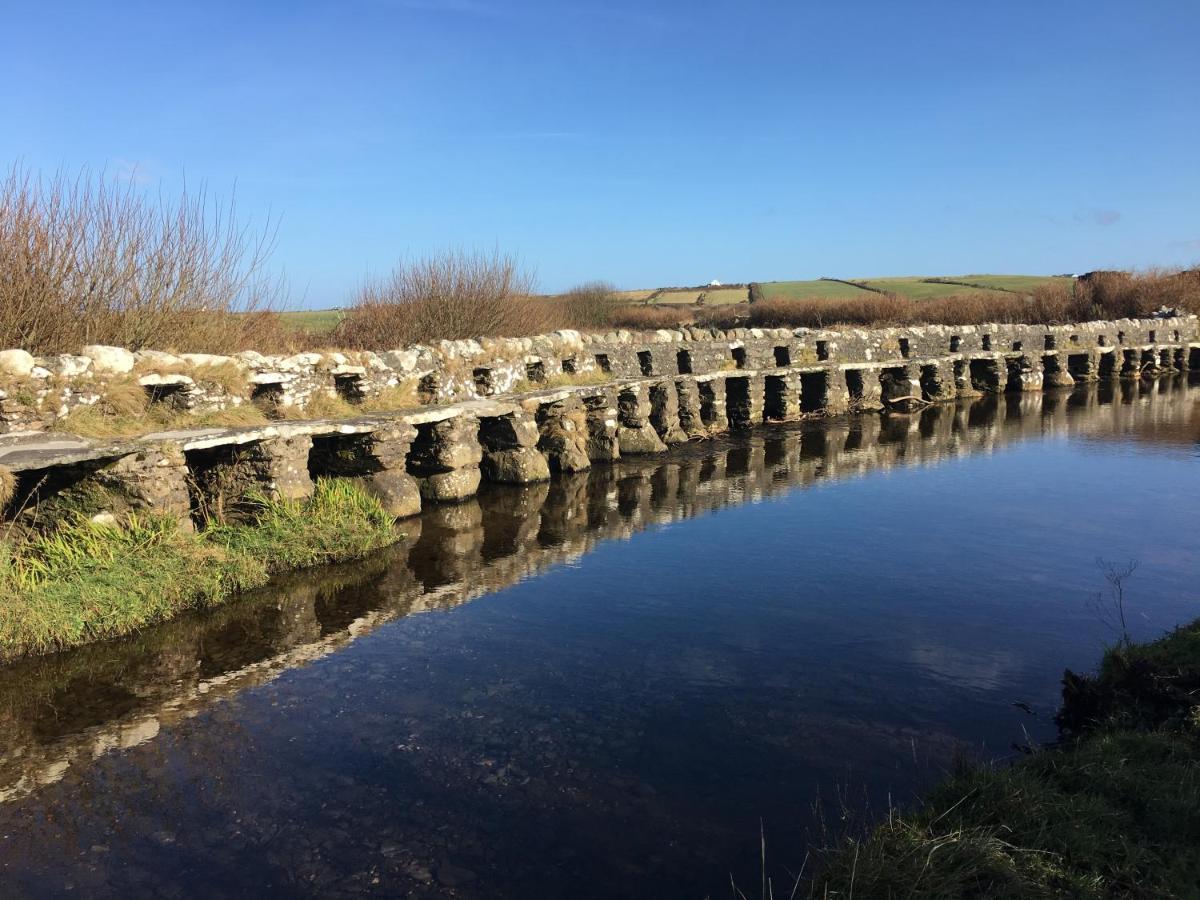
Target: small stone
158,359
17,363
113,360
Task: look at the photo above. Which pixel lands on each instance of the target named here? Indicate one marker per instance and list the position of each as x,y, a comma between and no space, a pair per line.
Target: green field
726,296
914,287
1018,283
676,298
319,320
918,289
803,290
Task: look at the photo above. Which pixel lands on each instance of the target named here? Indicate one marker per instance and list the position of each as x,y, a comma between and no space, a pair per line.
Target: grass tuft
8,486
87,581
1111,811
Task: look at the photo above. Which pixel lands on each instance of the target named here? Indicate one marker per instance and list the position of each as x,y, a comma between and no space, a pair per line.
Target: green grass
86,581
917,289
1021,284
685,298
803,290
726,296
321,321
1116,815
1111,811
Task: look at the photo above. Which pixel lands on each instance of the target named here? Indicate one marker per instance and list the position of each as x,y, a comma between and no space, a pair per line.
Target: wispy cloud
138,172
1191,246
1098,217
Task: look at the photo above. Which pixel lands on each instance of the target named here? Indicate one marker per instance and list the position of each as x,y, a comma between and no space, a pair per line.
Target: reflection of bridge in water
65,710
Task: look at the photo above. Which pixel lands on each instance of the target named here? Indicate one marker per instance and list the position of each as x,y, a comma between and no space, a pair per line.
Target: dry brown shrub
650,318
1117,295
449,296
969,308
90,260
722,317
590,306
820,312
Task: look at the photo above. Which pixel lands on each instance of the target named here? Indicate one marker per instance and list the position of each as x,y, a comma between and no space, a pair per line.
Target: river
612,684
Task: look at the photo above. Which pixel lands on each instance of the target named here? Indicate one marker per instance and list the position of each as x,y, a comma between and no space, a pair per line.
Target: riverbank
86,580
1113,810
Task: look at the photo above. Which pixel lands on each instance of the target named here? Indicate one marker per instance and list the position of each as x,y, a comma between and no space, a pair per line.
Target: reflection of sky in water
619,725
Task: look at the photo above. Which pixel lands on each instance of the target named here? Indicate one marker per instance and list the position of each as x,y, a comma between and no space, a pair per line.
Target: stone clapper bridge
488,408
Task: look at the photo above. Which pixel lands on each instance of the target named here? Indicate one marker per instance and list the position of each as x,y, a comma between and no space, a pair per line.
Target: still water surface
603,686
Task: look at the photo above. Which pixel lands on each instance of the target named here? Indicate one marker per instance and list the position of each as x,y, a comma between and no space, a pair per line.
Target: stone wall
37,392
516,411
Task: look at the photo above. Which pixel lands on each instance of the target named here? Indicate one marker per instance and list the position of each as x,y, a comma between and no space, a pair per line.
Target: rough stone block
450,487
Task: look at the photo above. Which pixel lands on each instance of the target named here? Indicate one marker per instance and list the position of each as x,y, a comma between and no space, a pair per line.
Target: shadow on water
62,717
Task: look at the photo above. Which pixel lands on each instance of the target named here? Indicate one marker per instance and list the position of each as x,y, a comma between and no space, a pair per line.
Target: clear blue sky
648,143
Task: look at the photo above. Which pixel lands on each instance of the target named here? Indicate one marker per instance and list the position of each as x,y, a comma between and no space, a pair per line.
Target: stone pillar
781,397
154,479
1131,364
938,382
226,476
1108,366
1055,374
744,398
664,413
837,394
284,462
861,386
445,458
376,460
563,435
389,481
712,405
689,408
602,426
963,385
635,434
989,375
900,387
510,454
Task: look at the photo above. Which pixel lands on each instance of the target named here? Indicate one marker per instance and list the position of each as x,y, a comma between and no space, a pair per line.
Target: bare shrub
87,259
651,318
449,296
819,312
723,317
590,305
969,308
1132,295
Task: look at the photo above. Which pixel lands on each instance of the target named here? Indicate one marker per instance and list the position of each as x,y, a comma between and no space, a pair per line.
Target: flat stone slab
35,450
